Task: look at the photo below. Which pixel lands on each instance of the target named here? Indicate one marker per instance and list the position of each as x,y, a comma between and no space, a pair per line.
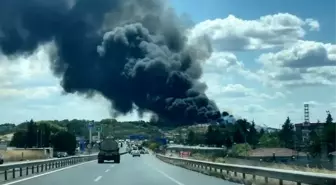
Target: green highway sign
98,128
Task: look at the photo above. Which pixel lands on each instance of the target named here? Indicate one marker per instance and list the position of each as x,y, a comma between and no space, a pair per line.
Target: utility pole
90,132
37,138
90,135
41,138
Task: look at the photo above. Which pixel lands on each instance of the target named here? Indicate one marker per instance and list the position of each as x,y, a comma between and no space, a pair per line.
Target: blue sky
270,57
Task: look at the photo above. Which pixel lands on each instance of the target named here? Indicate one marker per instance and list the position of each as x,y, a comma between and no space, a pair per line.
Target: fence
17,170
266,173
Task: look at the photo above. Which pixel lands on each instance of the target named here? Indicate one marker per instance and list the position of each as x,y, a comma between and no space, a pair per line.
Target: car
135,153
1,159
61,154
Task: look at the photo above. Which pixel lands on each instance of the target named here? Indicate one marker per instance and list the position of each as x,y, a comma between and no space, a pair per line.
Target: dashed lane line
166,175
98,178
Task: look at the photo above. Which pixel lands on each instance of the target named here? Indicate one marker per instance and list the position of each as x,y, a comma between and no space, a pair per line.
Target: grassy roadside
233,177
230,160
20,155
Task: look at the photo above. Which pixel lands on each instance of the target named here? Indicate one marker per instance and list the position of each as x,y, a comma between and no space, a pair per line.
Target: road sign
82,144
137,137
90,125
98,128
162,140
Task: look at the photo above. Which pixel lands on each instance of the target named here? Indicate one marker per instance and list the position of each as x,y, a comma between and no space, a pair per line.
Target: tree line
61,134
44,134
245,132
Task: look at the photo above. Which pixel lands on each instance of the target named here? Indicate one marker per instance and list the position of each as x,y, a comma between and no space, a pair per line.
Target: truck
108,150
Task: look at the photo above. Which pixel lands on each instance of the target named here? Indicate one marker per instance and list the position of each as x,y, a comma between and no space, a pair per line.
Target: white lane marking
166,175
46,173
107,170
112,165
98,178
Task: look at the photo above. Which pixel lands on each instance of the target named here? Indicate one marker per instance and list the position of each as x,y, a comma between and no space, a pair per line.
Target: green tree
191,138
252,135
329,136
64,141
210,136
329,118
31,136
239,131
261,132
314,146
153,146
218,137
19,139
269,140
286,134
241,149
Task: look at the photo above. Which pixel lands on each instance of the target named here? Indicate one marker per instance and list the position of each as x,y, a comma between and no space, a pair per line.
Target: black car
1,159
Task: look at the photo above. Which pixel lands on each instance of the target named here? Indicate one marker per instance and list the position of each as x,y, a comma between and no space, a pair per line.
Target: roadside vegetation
242,138
61,135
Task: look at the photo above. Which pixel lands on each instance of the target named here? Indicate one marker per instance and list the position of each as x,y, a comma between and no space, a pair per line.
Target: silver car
135,153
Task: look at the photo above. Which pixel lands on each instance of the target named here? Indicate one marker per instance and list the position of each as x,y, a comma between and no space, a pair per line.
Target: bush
240,150
153,146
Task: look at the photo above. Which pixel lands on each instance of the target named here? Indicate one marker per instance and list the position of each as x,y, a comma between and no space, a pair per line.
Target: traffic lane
17,170
24,172
131,171
182,175
76,174
134,171
144,170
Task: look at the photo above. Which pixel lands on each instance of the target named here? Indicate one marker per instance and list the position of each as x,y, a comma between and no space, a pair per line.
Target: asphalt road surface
144,170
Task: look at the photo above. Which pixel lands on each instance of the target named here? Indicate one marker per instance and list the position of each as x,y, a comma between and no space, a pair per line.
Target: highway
144,170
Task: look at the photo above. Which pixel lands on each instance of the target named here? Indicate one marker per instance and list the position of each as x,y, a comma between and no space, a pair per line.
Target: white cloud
238,91
232,33
313,24
28,93
312,103
304,63
291,61
16,69
223,61
254,108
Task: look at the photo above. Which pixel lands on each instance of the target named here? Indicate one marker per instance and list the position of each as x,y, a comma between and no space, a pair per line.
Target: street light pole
90,135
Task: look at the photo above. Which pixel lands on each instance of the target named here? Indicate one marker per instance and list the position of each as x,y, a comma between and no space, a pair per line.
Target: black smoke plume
133,52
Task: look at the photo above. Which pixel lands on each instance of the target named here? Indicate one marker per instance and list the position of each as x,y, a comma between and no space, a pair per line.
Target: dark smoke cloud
133,52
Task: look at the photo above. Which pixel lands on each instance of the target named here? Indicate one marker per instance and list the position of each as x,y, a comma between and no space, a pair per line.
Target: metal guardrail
281,175
17,170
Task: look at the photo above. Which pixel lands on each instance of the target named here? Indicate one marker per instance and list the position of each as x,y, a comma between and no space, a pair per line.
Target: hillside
80,128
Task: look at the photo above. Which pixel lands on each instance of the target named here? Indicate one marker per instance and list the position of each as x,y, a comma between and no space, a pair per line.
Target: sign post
90,133
99,129
82,145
